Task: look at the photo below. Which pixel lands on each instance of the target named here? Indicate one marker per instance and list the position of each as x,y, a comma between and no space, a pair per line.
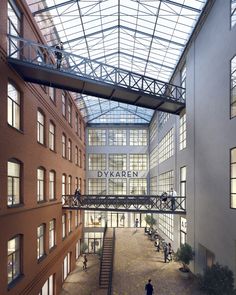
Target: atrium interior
117,124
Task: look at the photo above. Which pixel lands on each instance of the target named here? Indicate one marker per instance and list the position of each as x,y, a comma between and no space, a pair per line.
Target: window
76,182
183,80
233,12
40,127
77,250
97,162
66,266
52,136
52,185
76,123
14,182
138,186
69,184
80,158
52,233
40,184
138,137
233,88
117,137
117,186
183,230
138,162
63,189
63,101
183,175
14,258
40,241
84,162
153,128
233,177
14,27
97,186
166,146
13,107
48,287
162,119
52,93
69,150
97,137
153,185
69,222
117,162
63,226
182,132
154,158
76,155
63,140
77,217
69,112
165,182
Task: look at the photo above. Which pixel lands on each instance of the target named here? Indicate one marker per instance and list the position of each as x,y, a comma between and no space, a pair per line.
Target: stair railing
109,291
101,258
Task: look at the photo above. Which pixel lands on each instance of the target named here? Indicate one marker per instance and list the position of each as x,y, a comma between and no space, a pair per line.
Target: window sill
40,259
14,282
41,202
54,151
52,200
42,144
15,206
18,130
53,248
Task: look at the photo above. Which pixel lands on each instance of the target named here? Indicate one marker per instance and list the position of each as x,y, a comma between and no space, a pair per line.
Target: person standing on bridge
149,288
173,195
59,54
77,196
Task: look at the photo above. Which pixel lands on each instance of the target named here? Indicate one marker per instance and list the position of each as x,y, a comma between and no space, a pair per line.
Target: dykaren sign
111,174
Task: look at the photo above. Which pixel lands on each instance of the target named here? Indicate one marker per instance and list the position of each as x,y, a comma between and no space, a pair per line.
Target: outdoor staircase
107,259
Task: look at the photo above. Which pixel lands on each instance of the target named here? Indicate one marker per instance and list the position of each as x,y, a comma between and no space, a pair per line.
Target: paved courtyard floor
135,262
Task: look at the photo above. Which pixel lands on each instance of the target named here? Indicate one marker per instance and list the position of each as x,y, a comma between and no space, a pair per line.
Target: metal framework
128,203
36,63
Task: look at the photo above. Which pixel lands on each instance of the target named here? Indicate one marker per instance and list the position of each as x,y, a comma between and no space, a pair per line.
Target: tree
84,247
150,220
184,255
217,280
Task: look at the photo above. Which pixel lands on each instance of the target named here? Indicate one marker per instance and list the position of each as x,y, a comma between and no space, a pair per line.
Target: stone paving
135,262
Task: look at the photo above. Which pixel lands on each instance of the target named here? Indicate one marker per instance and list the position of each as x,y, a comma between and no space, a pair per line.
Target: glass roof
142,36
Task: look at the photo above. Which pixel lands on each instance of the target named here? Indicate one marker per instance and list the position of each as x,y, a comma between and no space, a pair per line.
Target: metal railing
109,291
128,203
45,56
101,258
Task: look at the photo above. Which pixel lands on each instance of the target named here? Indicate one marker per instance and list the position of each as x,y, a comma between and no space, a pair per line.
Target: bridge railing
125,203
45,56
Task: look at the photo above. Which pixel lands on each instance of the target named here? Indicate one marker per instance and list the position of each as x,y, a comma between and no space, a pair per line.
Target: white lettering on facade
118,174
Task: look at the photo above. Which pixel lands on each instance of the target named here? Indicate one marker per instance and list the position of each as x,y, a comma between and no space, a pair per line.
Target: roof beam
46,9
181,5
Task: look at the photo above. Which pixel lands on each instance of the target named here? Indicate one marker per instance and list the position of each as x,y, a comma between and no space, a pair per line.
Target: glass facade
94,240
117,162
138,186
97,137
154,158
166,146
117,186
233,178
162,119
138,162
97,186
97,161
13,106
153,129
153,185
233,87
117,137
138,137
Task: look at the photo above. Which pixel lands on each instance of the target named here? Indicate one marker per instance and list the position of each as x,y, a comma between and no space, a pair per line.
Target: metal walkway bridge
128,203
36,63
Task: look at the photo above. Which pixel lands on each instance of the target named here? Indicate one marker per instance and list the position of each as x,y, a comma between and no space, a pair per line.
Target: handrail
101,258
109,291
43,55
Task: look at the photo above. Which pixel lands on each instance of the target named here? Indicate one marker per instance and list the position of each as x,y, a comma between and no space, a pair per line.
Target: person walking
59,54
166,251
173,195
169,252
136,222
149,288
85,261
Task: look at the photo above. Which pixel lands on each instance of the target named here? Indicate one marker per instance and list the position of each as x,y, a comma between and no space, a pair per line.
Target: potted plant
217,280
184,255
99,253
150,220
83,248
